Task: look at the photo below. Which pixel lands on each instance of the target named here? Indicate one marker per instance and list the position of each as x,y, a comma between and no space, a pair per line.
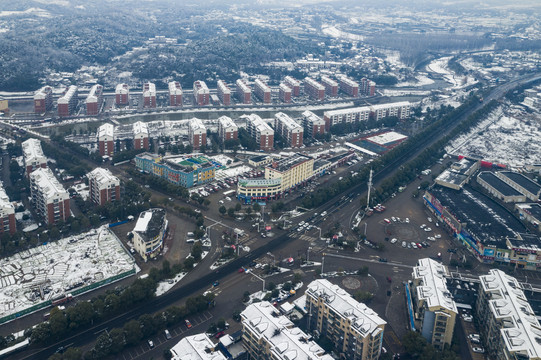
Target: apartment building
313,89
149,95
122,94
196,347
508,326
149,232
33,155
364,113
94,100
294,171
201,93
435,308
197,133
313,124
67,103
293,84
227,129
291,132
186,171
175,94
7,214
331,86
140,136
49,198
106,140
260,131
284,93
368,88
103,186
262,91
244,92
354,328
349,86
269,335
43,100
224,93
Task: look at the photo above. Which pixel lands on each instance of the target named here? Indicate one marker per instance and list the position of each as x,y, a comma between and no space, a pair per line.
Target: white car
407,220
422,226
478,349
437,236
429,219
394,240
393,219
428,229
413,245
301,223
404,244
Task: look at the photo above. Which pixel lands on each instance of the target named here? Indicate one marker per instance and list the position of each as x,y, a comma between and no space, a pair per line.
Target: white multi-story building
313,123
507,322
244,92
434,305
149,95
260,131
33,155
7,214
262,91
149,232
175,94
104,186
354,328
106,139
122,94
269,335
227,129
331,86
197,133
50,199
288,129
224,93
68,102
364,113
196,347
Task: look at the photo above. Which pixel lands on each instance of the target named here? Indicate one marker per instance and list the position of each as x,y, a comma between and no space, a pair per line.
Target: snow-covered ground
421,80
165,286
59,268
441,67
503,138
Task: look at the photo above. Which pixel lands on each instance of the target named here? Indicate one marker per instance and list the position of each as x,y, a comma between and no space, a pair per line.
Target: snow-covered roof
262,85
196,347
225,122
243,86
364,320
140,127
47,184
521,331
348,81
312,118
103,176
95,92
149,89
284,87
175,88
313,83
292,81
263,321
432,288
43,92
347,111
150,223
66,98
258,123
200,87
287,121
390,105
32,151
223,87
106,130
6,207
387,137
327,80
197,125
122,89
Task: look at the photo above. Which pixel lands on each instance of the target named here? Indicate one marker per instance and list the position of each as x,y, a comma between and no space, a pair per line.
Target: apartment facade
289,130
67,103
49,198
364,113
313,89
293,84
33,155
260,131
294,171
149,95
284,93
244,92
262,91
354,328
315,125
94,100
269,335
122,94
349,86
149,233
197,133
224,93
227,129
331,86
140,136
507,322
175,94
43,100
7,214
201,93
434,306
106,140
103,186
368,88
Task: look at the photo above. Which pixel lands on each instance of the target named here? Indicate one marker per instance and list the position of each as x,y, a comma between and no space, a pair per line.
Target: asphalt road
340,208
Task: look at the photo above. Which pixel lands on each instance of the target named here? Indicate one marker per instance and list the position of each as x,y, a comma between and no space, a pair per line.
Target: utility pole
369,190
322,262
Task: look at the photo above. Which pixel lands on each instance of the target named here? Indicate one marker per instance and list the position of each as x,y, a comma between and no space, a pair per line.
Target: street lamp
322,262
259,279
273,258
308,254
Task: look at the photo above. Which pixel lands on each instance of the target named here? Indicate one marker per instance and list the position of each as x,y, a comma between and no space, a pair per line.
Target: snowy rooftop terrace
434,288
60,268
196,347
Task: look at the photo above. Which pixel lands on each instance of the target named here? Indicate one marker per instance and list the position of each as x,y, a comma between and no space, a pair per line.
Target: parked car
188,323
478,349
150,343
382,259
393,240
387,221
219,335
167,334
404,244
